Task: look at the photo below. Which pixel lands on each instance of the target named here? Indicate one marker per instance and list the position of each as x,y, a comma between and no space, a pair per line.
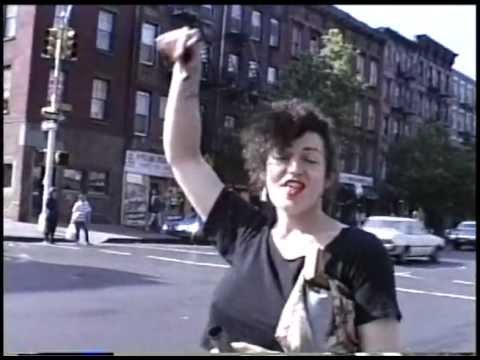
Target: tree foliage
429,171
327,79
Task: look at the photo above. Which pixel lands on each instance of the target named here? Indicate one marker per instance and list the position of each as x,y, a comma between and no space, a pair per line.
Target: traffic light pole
52,130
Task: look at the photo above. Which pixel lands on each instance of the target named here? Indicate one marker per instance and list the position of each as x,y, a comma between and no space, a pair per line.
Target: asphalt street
153,299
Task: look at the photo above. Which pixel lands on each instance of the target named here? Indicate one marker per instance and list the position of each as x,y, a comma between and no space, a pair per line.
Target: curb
176,241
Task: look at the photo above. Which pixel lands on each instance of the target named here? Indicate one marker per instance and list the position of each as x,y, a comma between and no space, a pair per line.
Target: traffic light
62,158
69,45
49,43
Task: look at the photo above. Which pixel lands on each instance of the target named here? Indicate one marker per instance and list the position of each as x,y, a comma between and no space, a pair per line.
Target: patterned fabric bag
319,313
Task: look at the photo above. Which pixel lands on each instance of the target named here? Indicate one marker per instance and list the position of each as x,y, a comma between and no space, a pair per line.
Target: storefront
144,172
355,198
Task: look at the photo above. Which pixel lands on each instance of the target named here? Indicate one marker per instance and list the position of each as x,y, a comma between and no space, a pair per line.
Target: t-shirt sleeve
231,222
373,282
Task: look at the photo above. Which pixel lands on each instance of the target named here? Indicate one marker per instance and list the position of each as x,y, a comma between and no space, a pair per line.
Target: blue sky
453,26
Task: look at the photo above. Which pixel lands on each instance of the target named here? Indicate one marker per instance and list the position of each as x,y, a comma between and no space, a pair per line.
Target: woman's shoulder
353,242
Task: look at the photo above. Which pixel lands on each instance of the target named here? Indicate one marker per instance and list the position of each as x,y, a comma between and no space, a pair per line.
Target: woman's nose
294,166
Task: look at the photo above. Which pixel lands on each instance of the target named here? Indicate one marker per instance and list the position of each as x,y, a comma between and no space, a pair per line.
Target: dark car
189,227
464,234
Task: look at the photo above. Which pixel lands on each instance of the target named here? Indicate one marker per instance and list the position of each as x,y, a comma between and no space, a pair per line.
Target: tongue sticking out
294,189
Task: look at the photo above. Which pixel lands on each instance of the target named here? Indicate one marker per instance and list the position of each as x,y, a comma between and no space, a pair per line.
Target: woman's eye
311,161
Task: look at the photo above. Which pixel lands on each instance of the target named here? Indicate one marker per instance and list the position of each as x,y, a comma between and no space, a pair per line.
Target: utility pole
51,113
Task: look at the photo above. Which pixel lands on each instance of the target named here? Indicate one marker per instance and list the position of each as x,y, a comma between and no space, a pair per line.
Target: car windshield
467,226
399,225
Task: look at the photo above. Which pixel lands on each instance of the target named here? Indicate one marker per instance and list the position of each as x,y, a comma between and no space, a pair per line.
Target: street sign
50,114
49,125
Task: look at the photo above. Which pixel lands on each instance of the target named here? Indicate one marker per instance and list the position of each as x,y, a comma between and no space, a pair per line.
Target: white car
405,237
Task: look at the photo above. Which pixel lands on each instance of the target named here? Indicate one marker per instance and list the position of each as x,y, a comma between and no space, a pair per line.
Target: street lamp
54,47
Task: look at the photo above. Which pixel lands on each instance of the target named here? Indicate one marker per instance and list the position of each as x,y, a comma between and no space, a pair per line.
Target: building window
72,180
407,130
105,30
356,159
236,18
99,99
314,44
229,122
147,44
60,89
60,12
97,182
296,40
373,73
142,113
462,91
357,114
274,33
252,70
256,23
361,67
383,169
385,125
395,127
10,24
7,175
455,87
7,85
272,75
161,107
232,66
371,117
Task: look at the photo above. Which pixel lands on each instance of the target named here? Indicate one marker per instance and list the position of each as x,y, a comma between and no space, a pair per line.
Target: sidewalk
98,233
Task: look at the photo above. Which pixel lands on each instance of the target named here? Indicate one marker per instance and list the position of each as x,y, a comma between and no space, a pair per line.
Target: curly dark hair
276,129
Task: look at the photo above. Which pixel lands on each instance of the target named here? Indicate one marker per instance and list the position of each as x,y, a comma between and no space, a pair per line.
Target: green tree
429,172
327,79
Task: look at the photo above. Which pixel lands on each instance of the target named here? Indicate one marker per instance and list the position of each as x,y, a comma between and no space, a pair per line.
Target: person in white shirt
81,216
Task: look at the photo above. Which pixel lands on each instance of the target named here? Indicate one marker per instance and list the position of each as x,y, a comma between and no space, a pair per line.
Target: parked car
405,237
464,234
189,227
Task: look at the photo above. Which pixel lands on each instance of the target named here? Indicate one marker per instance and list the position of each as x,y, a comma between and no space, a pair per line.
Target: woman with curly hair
290,151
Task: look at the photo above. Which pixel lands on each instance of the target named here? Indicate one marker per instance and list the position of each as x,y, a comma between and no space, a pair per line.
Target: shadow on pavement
32,276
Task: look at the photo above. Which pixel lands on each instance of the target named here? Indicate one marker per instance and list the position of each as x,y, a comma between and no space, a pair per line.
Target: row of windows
92,182
349,161
253,71
357,116
373,73
462,121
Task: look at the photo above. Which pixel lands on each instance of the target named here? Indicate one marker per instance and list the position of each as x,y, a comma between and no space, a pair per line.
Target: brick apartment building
118,90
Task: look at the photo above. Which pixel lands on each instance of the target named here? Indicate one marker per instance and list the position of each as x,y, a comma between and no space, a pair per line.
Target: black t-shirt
249,299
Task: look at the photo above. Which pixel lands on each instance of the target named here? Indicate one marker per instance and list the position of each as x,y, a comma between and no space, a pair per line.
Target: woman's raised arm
182,127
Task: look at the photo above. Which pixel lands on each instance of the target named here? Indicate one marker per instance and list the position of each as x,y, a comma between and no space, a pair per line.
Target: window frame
360,69
357,114
80,181
235,18
95,99
373,78
6,99
273,35
147,126
143,45
109,32
255,68
237,65
57,19
12,169
371,121
8,19
275,72
296,43
253,27
233,120
88,181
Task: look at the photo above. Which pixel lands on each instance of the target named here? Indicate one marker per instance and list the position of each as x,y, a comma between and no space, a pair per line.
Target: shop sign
345,178
145,163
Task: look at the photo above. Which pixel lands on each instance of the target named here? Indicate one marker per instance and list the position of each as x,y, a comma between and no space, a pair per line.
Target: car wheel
434,255
402,257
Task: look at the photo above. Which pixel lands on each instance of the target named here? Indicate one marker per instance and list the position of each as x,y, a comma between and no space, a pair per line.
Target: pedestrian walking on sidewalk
155,211
81,217
289,150
51,219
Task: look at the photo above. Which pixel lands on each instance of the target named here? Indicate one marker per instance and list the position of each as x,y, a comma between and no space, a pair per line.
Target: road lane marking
63,246
165,249
436,294
187,262
463,282
115,252
408,275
